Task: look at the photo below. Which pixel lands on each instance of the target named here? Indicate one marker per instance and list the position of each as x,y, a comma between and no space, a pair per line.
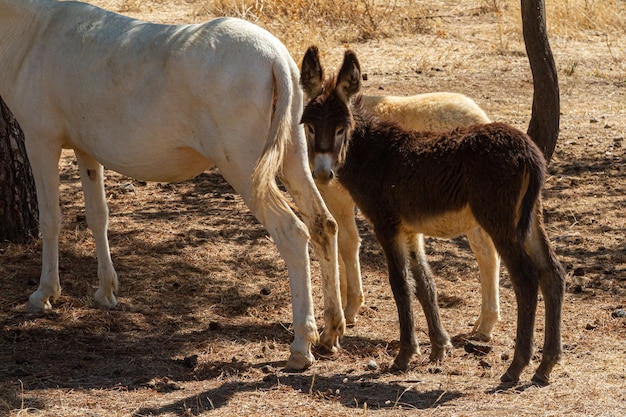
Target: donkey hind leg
395,253
97,213
552,284
342,207
489,267
298,181
291,238
45,167
524,273
427,295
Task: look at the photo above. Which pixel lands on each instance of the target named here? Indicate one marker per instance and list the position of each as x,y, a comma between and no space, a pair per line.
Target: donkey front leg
395,254
291,237
45,167
97,213
323,229
342,207
427,295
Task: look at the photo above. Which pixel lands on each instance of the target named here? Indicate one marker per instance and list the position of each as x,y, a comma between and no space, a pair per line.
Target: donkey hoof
105,299
399,367
299,362
350,320
437,354
38,302
482,337
507,378
330,337
38,306
540,380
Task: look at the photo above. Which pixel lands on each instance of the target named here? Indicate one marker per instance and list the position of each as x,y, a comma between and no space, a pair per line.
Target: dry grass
346,22
196,335
331,23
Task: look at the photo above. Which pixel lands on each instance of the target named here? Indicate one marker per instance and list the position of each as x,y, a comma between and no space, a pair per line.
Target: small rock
127,188
214,325
164,384
505,357
266,369
371,365
590,326
266,291
190,361
271,378
20,373
579,272
484,364
619,313
477,348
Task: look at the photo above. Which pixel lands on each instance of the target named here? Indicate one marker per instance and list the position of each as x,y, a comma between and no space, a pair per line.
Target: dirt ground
203,325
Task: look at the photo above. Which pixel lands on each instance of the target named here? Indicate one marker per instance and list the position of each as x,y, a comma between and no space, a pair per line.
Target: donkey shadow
362,393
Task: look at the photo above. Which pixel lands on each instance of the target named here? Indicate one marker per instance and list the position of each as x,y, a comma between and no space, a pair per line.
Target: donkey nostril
323,175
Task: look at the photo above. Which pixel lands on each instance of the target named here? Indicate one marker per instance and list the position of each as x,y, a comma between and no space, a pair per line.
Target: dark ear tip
312,52
350,56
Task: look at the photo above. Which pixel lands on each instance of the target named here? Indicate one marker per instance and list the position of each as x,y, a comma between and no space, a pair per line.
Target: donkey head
327,117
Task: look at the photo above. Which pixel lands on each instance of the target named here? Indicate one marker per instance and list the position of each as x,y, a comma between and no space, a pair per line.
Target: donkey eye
340,131
310,130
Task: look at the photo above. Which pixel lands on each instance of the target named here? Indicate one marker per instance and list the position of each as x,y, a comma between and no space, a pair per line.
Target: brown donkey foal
440,184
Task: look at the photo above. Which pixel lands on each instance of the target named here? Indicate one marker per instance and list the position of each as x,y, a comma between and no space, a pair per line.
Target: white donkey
435,112
164,103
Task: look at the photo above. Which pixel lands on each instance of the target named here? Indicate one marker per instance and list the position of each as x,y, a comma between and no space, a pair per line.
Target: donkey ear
349,78
312,74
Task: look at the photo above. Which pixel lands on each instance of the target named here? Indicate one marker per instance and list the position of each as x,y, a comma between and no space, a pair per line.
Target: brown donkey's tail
535,173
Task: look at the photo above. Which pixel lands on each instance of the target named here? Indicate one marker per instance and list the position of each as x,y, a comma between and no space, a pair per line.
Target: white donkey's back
150,101
164,103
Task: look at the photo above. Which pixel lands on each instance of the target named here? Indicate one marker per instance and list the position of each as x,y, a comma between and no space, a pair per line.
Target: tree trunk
544,122
18,201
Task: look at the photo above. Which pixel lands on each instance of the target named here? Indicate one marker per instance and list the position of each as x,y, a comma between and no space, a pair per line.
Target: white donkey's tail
266,192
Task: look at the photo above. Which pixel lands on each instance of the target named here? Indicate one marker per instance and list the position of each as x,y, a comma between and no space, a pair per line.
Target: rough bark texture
18,201
544,123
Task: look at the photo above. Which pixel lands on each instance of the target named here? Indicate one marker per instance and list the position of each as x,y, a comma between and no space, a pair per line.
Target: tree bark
544,122
18,201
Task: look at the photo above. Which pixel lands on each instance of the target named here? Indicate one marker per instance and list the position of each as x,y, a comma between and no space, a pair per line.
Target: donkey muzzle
322,168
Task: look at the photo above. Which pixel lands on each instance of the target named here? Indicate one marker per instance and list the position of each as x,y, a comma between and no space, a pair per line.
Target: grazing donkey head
327,119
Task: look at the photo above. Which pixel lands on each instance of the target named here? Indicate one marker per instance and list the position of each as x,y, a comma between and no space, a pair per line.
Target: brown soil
203,325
